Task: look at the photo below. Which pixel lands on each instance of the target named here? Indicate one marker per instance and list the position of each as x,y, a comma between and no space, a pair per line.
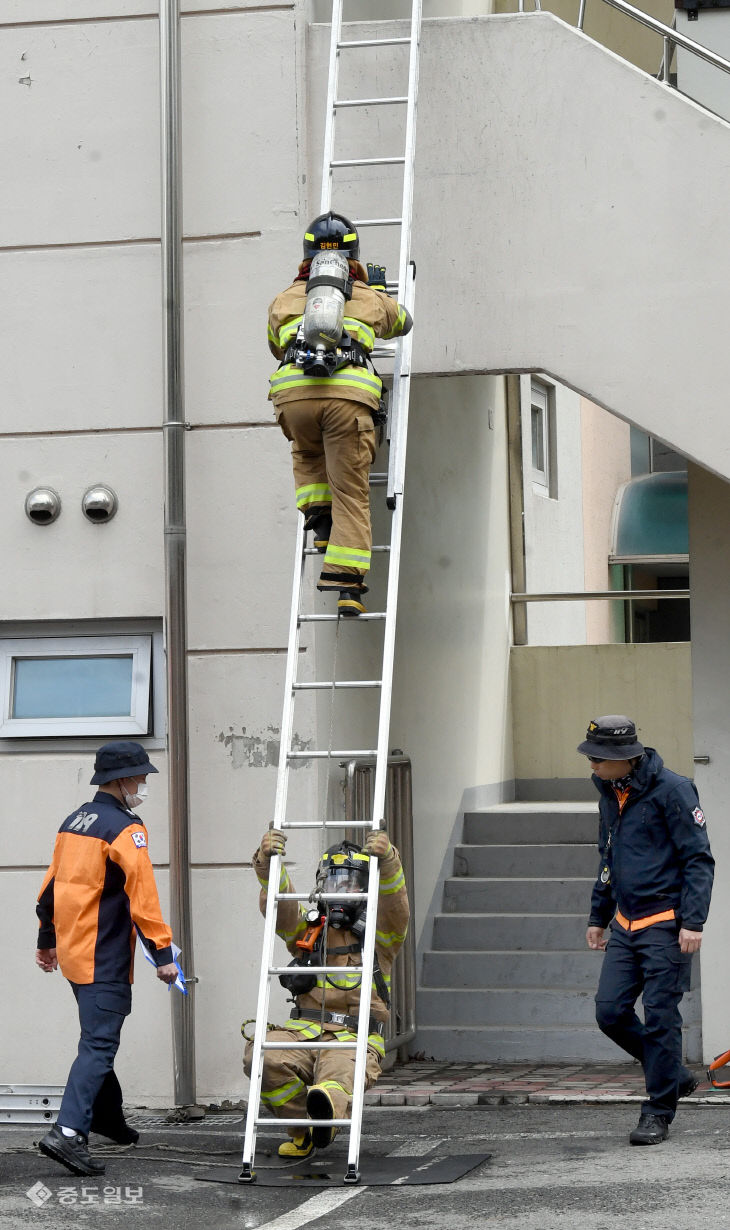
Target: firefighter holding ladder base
318,1083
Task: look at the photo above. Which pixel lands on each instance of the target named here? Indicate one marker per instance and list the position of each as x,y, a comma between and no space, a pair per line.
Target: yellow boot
300,1145
320,1106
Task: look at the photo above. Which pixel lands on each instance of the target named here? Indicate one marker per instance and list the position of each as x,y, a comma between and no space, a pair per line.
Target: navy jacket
656,855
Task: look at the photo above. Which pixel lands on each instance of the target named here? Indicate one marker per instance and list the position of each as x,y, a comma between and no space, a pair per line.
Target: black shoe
320,521
319,1106
349,604
117,1130
687,1086
71,1151
650,1130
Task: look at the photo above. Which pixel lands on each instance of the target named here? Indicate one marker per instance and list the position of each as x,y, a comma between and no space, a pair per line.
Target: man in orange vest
98,895
653,887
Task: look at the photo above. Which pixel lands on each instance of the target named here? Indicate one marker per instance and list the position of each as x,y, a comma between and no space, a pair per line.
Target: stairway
508,977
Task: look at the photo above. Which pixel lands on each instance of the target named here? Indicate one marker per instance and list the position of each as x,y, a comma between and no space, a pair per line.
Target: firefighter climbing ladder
354,54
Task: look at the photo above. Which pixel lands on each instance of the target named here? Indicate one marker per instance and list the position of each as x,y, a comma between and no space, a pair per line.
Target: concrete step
505,932
500,1044
472,895
532,823
526,860
574,970
543,1007
540,1008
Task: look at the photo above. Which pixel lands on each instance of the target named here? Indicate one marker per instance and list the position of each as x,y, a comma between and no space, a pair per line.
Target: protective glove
272,842
376,277
377,844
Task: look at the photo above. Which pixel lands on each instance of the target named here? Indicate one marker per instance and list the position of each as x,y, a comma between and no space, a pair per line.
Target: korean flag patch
139,840
699,816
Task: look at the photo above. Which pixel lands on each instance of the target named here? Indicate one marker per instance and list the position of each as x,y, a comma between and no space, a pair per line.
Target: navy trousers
647,963
92,1089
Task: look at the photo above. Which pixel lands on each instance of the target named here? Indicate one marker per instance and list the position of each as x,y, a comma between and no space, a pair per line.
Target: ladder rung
322,685
347,754
396,101
328,824
374,550
309,1046
377,477
367,162
378,221
374,42
354,896
323,619
319,969
293,1122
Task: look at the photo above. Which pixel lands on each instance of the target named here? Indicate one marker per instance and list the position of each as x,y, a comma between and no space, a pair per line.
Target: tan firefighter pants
333,446
288,1075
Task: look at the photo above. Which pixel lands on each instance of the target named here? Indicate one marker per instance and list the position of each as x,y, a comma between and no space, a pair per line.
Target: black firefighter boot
319,520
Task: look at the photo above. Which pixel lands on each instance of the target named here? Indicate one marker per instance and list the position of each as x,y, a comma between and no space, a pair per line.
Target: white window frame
542,400
135,723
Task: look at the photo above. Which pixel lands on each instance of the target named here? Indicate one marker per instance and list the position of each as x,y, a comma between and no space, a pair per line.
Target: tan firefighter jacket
368,314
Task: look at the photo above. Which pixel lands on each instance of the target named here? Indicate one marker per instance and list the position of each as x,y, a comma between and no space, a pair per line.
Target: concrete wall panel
73,568
235,709
241,528
84,142
557,690
51,787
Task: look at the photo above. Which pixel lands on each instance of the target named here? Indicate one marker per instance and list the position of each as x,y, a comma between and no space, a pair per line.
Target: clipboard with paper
176,953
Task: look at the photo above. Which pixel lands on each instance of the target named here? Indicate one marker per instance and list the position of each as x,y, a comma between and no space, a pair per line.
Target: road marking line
310,1210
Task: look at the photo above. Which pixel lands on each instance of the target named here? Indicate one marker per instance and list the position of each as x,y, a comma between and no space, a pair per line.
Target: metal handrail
596,595
672,38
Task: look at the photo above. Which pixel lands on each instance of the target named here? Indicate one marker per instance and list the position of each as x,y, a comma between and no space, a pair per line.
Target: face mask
134,800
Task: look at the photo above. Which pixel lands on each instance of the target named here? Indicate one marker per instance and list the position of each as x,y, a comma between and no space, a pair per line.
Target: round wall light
99,504
42,505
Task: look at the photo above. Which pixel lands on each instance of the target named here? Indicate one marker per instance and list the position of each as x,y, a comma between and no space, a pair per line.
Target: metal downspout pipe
183,1006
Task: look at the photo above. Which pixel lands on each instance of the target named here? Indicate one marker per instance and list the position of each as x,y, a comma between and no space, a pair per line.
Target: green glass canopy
650,519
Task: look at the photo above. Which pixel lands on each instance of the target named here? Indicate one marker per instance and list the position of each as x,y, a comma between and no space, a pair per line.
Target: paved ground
558,1139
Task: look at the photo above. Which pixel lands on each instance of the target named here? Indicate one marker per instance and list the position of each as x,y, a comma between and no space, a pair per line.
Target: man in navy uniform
653,887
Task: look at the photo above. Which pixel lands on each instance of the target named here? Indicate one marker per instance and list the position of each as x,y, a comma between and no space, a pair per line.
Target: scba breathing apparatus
322,345
343,868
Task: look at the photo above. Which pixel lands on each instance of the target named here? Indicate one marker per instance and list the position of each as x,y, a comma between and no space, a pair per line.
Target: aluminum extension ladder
400,350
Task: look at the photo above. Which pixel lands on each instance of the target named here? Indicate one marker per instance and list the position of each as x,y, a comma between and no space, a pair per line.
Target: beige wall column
709,533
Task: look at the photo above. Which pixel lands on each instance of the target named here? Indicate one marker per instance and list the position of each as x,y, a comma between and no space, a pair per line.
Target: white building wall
553,523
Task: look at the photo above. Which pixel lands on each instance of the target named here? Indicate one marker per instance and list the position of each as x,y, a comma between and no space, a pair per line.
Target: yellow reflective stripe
334,1085
398,326
282,1095
361,332
313,493
349,556
291,377
309,237
284,881
344,982
387,939
310,1029
272,336
394,883
288,936
289,331
349,237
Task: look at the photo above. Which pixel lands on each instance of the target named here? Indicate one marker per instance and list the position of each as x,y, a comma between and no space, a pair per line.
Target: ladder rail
292,659
262,1014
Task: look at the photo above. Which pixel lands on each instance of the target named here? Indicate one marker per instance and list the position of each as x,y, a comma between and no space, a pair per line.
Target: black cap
611,738
122,758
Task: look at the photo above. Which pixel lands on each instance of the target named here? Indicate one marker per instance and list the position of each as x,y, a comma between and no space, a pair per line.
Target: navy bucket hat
122,758
611,738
